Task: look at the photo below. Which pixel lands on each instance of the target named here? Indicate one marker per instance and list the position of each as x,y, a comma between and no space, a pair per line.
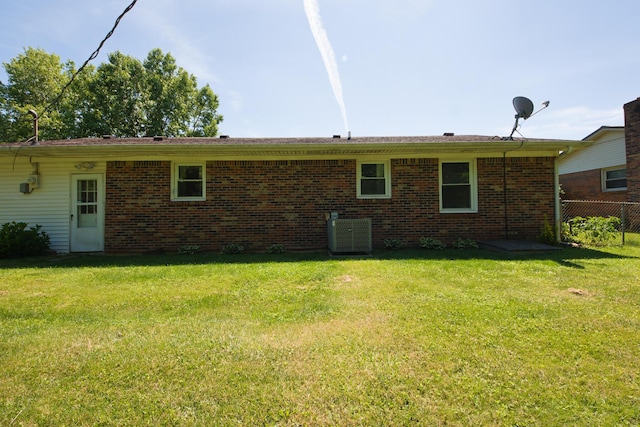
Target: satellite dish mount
524,110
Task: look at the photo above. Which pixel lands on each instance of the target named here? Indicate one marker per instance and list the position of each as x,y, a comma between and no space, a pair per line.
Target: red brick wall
632,138
587,185
258,203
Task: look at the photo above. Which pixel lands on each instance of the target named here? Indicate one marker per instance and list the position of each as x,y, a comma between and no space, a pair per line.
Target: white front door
87,213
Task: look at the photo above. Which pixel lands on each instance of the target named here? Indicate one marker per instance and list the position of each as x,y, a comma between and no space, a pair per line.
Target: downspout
504,195
556,183
504,190
558,206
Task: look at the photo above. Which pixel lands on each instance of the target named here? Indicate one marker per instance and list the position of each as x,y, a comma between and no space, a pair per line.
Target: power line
93,56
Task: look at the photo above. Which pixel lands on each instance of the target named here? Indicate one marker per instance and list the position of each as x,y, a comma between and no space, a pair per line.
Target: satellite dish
524,110
523,106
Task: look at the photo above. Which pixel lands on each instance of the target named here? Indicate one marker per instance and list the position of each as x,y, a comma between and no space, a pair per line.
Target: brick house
609,169
158,194
598,172
632,138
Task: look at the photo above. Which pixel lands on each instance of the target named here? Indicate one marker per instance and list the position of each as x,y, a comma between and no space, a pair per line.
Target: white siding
606,153
48,205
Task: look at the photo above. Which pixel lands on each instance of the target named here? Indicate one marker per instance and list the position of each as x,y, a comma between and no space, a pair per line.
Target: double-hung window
614,179
188,182
374,180
458,190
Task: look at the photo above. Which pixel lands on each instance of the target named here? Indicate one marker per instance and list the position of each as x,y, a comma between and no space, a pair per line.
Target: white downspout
558,207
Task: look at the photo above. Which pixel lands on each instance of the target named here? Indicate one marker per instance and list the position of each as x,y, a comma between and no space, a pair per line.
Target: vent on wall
349,235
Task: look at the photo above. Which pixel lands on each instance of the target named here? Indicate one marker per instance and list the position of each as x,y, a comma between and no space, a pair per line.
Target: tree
178,107
154,97
4,115
35,78
76,103
123,97
204,119
118,98
170,89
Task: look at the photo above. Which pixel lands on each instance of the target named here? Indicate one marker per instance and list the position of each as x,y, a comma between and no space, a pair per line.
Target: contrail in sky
312,10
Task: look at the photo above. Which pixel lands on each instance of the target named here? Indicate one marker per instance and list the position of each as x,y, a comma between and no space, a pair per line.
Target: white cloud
328,56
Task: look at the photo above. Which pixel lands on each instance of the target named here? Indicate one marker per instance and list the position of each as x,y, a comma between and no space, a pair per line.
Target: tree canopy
124,97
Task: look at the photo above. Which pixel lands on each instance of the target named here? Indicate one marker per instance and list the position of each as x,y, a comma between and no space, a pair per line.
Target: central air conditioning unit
349,235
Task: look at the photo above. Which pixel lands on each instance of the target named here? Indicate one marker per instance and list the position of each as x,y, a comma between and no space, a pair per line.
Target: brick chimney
632,138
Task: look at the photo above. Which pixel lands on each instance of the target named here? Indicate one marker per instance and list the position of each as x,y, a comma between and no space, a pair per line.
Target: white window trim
387,179
473,178
174,182
603,180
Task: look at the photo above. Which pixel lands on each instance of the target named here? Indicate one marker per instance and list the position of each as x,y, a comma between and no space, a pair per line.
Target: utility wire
93,56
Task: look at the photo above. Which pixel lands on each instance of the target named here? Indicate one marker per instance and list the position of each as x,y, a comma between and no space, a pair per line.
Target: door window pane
87,203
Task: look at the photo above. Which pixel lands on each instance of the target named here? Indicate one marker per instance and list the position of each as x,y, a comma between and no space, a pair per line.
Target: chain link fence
624,216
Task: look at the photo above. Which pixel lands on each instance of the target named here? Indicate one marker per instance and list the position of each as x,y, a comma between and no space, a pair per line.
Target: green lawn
401,338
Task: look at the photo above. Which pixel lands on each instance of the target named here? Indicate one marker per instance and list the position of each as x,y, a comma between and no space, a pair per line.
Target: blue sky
407,67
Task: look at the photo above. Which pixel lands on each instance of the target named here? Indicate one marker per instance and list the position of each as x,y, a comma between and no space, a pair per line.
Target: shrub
232,248
17,241
566,233
188,249
460,243
548,233
593,230
276,248
393,244
429,243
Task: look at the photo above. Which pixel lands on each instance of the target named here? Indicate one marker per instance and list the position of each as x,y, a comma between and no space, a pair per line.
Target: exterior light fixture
84,165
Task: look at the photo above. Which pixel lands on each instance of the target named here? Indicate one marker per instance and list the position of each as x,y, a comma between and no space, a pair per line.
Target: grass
402,338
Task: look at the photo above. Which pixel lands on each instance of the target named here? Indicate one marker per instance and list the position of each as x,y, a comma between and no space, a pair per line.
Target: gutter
279,150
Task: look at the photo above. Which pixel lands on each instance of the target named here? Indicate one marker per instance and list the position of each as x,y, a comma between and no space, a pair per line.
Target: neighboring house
632,138
609,169
158,194
598,172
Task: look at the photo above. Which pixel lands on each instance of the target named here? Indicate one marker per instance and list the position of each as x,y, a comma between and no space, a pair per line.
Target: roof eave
295,151
602,130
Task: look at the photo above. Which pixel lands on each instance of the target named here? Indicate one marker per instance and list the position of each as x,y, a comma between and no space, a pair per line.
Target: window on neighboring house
374,180
614,179
188,182
458,192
